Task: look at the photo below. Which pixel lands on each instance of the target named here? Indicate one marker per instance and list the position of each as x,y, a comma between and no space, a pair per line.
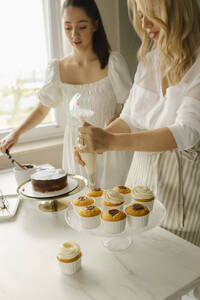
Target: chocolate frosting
138,206
113,212
90,207
82,198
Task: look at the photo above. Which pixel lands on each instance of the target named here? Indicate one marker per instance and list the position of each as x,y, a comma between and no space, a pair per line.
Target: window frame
55,49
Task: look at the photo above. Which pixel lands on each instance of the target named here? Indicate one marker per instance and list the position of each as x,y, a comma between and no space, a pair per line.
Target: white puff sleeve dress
102,97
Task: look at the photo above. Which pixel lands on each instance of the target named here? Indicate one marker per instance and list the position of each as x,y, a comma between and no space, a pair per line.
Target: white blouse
179,110
118,75
103,97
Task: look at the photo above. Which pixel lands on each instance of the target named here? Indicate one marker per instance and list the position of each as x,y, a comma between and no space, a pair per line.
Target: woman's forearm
118,126
148,141
33,119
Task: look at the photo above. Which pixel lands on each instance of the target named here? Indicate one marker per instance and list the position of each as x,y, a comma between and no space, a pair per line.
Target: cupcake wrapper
70,268
114,227
90,222
148,204
138,222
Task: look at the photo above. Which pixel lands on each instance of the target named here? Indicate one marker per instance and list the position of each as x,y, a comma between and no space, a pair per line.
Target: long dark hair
101,45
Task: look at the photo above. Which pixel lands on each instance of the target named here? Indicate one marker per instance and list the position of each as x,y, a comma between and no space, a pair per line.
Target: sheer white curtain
57,43
53,28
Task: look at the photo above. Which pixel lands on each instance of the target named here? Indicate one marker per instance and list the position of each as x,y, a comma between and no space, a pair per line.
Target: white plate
156,217
12,202
27,190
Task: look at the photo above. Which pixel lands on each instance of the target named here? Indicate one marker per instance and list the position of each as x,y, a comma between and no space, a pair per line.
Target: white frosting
48,174
142,192
113,196
68,250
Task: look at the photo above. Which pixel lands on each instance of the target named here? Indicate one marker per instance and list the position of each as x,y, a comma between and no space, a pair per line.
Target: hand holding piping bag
89,158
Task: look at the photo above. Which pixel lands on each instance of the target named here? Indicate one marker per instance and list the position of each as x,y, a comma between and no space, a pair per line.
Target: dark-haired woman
99,75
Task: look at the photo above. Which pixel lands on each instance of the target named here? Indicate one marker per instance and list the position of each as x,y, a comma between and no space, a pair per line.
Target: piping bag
82,115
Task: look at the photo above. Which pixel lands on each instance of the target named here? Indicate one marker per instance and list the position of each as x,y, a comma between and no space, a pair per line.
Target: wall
129,42
41,152
119,30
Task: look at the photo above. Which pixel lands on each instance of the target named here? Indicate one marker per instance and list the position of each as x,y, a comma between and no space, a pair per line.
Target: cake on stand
117,242
53,201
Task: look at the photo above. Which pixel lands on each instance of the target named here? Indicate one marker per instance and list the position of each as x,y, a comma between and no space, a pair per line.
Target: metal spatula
13,161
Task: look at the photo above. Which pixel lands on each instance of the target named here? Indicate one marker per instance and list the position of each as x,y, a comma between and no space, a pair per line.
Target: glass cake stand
118,242
54,201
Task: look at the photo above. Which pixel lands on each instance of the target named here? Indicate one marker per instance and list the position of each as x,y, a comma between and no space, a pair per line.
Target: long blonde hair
179,38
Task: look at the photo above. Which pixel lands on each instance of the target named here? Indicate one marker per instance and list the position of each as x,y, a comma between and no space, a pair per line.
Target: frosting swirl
142,192
68,250
113,196
48,174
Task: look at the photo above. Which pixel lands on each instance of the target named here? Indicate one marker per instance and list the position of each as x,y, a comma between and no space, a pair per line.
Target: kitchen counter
157,266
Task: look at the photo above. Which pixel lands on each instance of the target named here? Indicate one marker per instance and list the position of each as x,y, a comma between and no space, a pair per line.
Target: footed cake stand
121,241
54,201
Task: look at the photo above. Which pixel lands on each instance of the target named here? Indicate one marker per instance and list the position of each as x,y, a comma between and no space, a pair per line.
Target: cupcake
96,194
89,216
143,195
113,220
81,201
138,215
112,199
124,191
69,258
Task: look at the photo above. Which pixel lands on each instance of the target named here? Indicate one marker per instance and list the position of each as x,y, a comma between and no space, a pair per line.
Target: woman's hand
8,141
93,139
77,156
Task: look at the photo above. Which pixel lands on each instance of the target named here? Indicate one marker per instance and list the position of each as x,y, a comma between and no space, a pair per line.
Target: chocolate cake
49,180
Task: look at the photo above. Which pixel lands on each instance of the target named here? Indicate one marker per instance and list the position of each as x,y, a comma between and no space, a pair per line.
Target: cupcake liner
138,222
70,268
90,222
114,227
76,208
148,204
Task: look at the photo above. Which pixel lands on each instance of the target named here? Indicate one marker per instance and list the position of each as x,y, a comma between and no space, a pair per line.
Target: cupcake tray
155,219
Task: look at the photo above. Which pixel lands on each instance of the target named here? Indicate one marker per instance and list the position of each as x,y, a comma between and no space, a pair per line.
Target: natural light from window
23,57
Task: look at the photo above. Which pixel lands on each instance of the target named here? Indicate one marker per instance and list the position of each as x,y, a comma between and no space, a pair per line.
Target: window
30,36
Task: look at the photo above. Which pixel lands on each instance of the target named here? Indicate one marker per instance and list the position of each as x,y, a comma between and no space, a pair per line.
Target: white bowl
21,175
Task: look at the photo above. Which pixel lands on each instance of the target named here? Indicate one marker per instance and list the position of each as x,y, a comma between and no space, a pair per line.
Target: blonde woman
161,118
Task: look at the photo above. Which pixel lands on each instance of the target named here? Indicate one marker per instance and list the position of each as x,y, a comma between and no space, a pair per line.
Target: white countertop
157,266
